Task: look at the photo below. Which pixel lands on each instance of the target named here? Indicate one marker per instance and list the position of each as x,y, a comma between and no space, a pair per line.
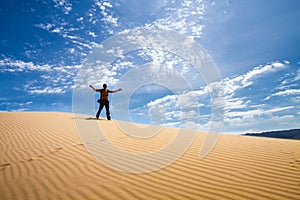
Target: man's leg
107,110
99,110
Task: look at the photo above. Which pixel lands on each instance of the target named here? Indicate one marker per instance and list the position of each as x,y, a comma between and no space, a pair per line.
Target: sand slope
42,157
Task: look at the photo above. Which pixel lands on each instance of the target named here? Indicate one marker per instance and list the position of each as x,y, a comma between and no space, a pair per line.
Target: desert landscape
42,157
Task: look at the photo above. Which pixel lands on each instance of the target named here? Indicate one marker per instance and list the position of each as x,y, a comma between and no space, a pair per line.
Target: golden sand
42,157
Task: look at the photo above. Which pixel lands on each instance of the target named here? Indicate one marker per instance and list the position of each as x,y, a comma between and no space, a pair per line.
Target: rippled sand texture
42,157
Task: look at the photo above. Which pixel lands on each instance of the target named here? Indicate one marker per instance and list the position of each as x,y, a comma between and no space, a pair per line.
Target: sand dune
42,157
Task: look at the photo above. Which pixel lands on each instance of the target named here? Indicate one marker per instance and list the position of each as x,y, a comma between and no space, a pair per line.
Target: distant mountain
285,134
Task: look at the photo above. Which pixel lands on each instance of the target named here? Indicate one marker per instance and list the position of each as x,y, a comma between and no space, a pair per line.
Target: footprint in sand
56,149
295,163
33,158
4,165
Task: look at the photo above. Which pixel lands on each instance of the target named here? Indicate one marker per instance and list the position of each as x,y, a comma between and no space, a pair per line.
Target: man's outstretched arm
114,91
93,88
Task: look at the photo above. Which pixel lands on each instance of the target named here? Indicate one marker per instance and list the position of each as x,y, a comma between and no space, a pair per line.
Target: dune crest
42,157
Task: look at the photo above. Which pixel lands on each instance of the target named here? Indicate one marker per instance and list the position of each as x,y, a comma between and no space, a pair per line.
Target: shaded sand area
42,157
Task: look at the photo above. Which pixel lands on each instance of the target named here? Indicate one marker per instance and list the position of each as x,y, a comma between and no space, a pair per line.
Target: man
103,101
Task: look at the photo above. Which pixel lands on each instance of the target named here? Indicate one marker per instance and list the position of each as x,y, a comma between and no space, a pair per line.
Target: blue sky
255,45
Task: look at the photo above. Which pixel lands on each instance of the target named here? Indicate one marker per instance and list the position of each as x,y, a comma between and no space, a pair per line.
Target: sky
253,44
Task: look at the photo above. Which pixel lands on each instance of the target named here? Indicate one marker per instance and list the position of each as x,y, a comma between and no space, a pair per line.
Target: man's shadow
93,118
89,118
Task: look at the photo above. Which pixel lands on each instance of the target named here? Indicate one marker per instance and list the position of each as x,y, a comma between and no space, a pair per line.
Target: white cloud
169,100
15,106
287,92
184,17
53,79
297,77
20,110
190,125
245,113
188,100
290,82
236,103
93,34
245,80
256,112
46,90
63,5
80,19
240,110
47,26
107,15
156,114
9,65
249,118
173,115
282,119
172,124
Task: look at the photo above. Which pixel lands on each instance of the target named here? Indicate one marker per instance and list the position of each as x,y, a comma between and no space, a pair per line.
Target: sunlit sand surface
42,157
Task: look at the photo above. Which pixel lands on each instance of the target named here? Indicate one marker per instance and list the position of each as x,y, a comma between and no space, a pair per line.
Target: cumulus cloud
240,110
156,115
